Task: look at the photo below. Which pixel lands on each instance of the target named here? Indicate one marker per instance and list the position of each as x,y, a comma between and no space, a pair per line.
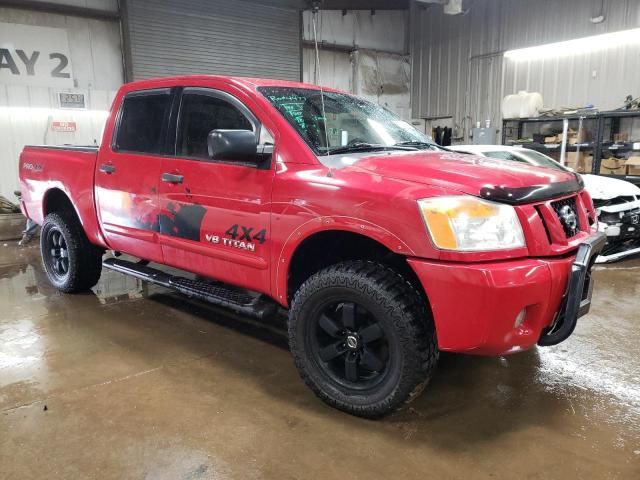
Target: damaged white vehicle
617,201
618,207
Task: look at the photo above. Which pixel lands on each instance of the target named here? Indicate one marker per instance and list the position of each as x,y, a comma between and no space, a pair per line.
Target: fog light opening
520,318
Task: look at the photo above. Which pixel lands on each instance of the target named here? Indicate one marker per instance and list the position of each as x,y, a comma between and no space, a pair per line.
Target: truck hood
612,195
605,188
461,172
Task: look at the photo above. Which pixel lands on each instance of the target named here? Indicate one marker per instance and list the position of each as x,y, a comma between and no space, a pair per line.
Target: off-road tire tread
87,268
409,313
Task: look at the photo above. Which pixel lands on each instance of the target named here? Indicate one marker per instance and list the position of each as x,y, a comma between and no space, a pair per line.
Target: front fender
324,224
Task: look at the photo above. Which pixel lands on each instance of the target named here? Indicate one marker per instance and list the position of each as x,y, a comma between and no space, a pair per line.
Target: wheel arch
58,200
322,247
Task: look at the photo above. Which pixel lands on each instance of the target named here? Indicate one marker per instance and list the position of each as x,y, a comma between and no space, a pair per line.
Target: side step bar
236,299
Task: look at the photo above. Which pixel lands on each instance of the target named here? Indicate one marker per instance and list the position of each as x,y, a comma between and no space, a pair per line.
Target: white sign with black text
38,56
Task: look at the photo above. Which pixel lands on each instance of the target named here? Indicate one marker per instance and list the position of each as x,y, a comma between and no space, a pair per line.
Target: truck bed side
49,175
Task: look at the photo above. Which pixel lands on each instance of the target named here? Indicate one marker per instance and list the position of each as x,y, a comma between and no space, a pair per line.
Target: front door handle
108,169
172,178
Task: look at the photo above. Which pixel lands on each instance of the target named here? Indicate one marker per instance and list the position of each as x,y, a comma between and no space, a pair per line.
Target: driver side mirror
232,145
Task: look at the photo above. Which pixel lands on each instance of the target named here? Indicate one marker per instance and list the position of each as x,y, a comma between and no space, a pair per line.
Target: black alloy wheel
70,261
57,253
349,345
362,338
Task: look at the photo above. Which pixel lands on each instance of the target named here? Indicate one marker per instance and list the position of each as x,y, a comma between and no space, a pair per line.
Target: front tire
70,261
362,338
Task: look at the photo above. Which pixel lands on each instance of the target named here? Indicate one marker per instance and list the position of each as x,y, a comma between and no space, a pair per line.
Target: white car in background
617,201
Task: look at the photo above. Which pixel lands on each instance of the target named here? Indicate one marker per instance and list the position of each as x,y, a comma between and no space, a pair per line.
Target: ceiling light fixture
577,46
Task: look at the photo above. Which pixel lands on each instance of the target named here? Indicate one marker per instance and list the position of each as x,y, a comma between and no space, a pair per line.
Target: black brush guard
577,299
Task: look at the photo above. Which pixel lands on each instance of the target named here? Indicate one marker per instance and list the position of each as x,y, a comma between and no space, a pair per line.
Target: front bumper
475,306
621,226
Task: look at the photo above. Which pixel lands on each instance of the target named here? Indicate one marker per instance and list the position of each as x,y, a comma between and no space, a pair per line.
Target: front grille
567,213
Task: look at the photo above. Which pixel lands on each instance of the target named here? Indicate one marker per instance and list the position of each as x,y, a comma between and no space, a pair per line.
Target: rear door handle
108,169
172,178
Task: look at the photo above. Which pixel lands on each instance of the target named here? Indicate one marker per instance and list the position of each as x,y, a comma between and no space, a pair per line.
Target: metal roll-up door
242,38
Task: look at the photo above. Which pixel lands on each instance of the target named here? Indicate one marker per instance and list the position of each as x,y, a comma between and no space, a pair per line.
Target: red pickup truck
271,195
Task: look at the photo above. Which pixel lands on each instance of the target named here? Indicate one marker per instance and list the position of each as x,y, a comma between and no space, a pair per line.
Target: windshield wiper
357,147
416,143
367,147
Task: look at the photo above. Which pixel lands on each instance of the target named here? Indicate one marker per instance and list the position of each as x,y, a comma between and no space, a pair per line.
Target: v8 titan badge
240,237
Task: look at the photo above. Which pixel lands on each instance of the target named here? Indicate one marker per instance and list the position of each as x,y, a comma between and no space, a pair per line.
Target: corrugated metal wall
105,5
212,36
27,112
367,63
384,30
458,68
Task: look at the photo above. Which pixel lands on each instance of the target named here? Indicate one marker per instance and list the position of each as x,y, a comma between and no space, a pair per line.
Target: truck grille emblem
569,217
566,212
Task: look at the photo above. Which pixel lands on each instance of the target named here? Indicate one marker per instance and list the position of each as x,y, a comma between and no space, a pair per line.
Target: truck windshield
344,123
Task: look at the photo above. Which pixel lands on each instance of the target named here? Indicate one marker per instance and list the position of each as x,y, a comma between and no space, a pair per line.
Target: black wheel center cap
352,341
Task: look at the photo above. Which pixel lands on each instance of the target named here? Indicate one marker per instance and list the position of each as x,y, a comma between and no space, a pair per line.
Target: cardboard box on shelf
586,166
633,165
585,136
613,166
571,159
581,162
620,137
573,137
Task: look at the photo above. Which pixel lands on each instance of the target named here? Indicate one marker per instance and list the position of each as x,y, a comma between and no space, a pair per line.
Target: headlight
466,223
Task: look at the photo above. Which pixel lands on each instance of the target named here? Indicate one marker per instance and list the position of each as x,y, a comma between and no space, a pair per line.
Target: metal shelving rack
603,126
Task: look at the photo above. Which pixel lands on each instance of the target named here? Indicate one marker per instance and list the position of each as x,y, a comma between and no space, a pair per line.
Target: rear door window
143,122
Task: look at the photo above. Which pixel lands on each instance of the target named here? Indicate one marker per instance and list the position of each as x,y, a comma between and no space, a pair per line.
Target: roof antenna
316,8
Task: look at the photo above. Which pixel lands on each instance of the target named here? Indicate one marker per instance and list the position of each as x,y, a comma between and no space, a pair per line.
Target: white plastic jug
522,105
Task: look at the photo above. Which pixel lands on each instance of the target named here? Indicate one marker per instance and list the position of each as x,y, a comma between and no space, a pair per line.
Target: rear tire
362,338
70,261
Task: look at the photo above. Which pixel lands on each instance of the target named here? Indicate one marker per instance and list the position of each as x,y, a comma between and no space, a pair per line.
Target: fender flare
93,232
324,224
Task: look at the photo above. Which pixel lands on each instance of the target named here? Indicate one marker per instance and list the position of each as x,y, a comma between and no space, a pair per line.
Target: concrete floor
134,382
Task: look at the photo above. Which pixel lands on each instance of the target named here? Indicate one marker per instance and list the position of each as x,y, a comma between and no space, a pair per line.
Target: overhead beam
336,47
365,4
70,10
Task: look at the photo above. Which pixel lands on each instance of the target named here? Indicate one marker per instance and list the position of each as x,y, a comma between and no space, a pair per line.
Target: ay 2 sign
36,56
